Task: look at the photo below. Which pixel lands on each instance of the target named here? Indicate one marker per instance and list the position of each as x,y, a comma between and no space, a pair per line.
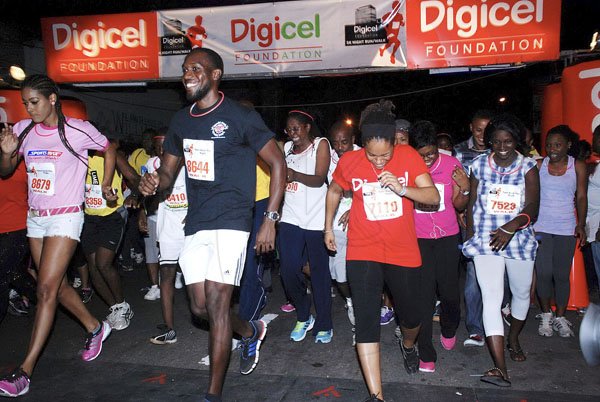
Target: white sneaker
153,293
563,327
546,322
350,310
178,281
474,340
120,316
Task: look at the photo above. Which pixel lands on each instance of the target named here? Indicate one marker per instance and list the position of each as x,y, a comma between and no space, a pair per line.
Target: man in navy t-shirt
218,141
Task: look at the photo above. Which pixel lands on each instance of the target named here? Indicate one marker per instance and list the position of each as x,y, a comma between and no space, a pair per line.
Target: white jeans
490,275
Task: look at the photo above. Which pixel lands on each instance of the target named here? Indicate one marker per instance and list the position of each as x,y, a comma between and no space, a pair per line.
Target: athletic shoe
563,327
426,367
387,315
411,358
167,336
324,336
153,293
448,343
120,316
93,343
77,283
287,307
250,347
17,307
350,310
506,316
301,328
545,326
86,294
178,280
436,311
474,340
15,384
373,398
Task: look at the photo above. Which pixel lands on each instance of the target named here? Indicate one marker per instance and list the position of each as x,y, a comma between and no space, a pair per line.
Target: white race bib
41,178
93,197
178,198
503,199
380,203
425,208
199,159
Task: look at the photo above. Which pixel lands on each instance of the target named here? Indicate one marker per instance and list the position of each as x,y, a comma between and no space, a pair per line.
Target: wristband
528,220
402,192
506,231
328,231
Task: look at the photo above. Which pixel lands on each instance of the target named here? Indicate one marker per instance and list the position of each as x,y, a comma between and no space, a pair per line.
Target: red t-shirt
384,230
13,200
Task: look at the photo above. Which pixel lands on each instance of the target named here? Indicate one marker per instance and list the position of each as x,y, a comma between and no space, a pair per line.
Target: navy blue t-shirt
220,159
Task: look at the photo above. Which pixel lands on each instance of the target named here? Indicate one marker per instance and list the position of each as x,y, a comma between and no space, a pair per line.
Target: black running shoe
411,358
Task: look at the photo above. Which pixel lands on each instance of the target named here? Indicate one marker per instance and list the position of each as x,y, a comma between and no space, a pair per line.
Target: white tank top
304,206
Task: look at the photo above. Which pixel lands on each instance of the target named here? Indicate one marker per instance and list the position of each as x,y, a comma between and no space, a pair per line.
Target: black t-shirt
220,150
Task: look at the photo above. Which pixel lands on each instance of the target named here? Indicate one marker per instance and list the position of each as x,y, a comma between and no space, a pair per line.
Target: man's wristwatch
273,215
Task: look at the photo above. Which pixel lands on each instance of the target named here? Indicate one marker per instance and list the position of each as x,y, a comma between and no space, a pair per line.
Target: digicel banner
12,109
581,98
445,33
91,48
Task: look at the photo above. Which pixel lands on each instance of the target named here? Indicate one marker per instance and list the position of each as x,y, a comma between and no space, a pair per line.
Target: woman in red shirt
382,242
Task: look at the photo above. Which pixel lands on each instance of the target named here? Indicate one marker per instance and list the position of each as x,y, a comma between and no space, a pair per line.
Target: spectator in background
445,143
466,152
593,213
401,135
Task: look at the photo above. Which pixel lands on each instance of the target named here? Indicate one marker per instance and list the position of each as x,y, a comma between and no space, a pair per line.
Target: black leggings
366,280
440,273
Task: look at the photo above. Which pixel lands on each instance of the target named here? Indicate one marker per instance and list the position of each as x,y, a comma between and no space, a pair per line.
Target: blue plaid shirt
466,152
523,245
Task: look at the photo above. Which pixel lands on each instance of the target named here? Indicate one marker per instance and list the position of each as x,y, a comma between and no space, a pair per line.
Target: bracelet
528,220
328,231
506,231
403,191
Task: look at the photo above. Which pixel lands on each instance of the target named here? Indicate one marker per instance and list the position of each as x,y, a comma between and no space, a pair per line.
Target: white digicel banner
288,37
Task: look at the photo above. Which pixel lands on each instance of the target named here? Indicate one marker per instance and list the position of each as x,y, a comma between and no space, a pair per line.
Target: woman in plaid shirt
504,201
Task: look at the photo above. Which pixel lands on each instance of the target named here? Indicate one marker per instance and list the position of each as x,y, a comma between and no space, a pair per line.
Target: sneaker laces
90,339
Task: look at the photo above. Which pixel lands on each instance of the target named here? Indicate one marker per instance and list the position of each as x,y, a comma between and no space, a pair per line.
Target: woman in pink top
54,149
438,237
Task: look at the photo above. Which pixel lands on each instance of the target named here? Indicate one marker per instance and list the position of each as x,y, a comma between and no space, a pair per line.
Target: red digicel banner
581,98
446,33
91,48
12,109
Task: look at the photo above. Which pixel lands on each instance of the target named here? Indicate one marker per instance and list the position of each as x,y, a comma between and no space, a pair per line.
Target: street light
17,73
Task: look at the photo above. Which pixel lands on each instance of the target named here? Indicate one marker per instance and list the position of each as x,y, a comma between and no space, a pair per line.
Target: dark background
446,99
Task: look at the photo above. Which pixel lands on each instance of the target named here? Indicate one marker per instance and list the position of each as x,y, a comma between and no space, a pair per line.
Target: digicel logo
469,18
267,32
90,41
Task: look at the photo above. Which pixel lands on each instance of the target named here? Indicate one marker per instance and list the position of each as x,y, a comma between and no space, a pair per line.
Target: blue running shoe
250,347
324,336
301,328
387,315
